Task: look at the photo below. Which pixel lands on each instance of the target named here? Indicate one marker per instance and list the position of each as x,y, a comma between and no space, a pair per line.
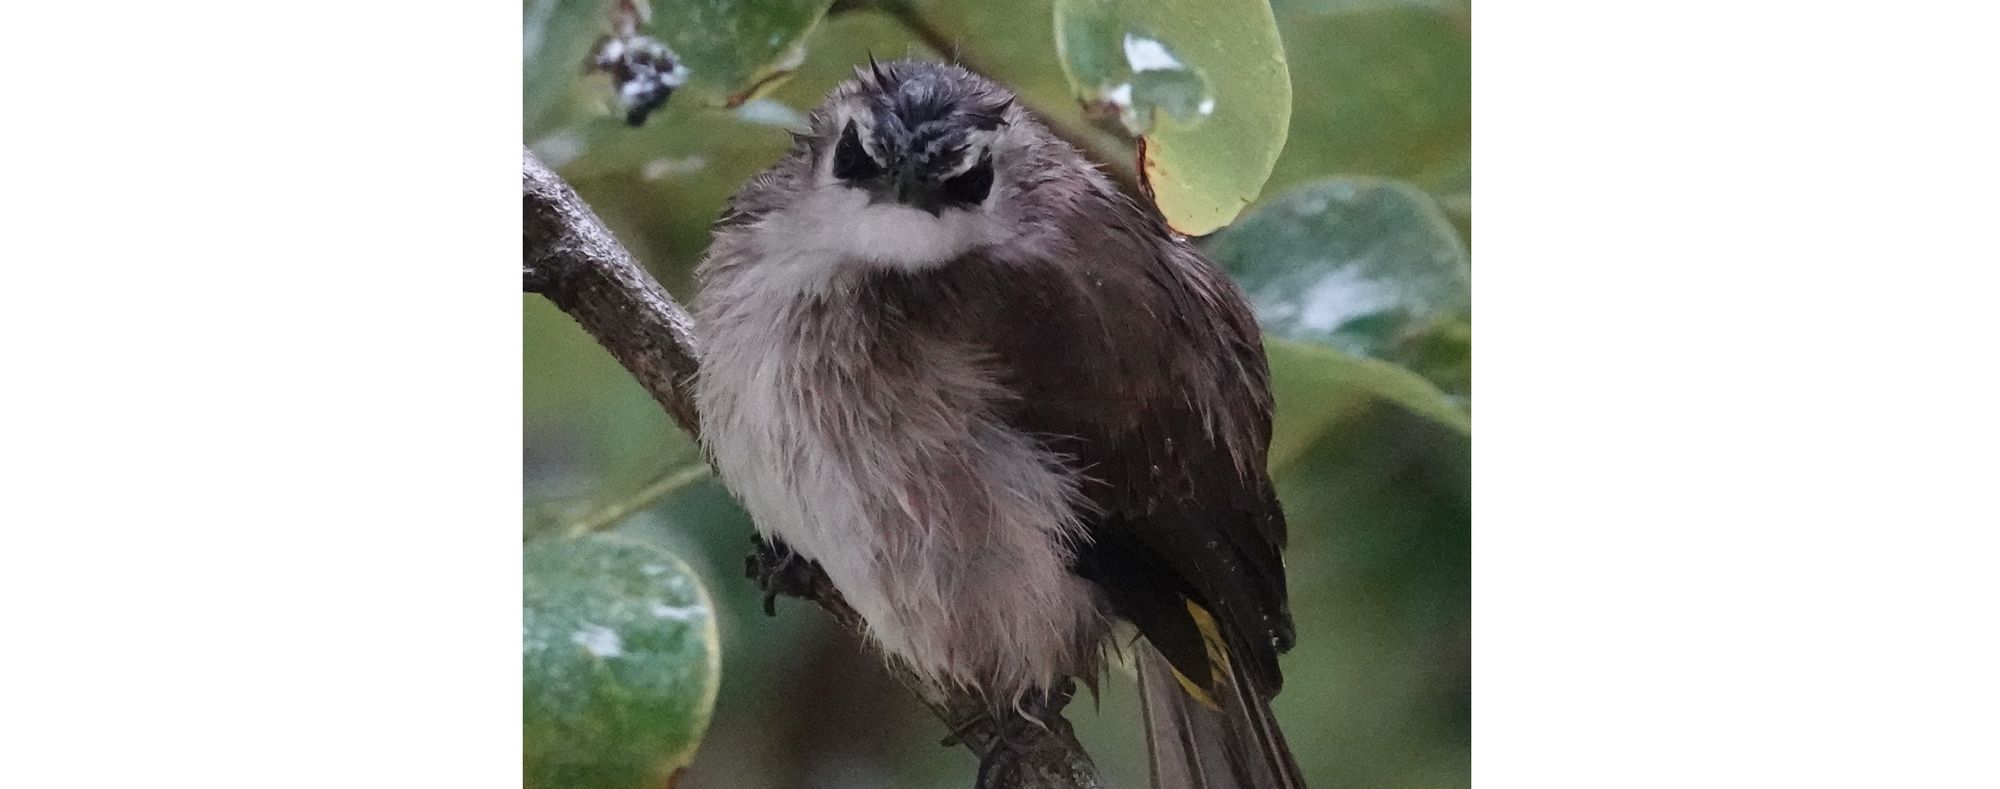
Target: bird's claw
1036,725
779,570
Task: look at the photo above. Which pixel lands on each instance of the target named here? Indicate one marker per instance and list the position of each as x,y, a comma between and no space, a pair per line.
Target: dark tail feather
1196,747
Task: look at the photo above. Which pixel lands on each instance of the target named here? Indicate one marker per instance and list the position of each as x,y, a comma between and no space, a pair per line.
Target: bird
1008,411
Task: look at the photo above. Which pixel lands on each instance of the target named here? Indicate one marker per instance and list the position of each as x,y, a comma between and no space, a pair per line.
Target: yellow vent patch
1218,658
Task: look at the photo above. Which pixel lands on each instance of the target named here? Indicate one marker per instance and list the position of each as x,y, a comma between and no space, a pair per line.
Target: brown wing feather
1187,507
1136,357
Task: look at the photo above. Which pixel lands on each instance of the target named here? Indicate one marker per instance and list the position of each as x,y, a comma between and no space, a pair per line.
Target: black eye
850,160
972,185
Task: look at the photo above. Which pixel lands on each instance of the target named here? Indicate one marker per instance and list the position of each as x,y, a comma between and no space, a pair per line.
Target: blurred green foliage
1355,255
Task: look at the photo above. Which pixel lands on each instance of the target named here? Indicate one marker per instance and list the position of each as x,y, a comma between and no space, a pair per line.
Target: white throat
837,224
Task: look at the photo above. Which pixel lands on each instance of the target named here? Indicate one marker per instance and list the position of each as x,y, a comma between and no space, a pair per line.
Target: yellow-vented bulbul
1003,406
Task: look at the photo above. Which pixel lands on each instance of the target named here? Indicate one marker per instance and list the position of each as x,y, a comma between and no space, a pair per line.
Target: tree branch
569,257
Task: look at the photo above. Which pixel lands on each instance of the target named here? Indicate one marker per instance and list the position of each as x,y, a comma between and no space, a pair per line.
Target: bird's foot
999,761
779,570
1033,725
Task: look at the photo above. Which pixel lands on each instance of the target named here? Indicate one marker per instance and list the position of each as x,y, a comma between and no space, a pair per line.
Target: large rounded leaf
1202,81
620,663
1361,264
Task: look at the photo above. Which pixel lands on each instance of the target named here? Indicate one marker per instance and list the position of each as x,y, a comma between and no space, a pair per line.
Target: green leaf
1361,264
620,661
1319,390
733,49
1385,88
1204,83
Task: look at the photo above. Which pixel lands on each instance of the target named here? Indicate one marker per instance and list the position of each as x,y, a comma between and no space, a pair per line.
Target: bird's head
920,135
911,165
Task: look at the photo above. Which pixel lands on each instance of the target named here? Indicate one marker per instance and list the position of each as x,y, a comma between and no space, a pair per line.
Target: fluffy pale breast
873,449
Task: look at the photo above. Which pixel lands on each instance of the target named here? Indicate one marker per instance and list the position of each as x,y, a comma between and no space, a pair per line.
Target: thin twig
611,514
569,257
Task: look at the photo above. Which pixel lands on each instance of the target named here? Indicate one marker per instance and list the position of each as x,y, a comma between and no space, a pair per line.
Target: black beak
910,188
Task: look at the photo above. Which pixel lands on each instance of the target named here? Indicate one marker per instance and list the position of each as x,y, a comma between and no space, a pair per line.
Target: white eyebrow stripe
977,144
864,128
